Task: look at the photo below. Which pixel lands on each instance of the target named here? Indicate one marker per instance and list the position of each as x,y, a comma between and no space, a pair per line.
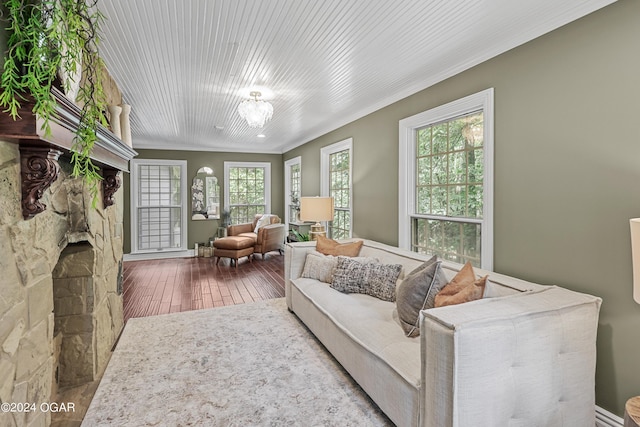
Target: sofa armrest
524,359
234,230
269,232
270,238
295,254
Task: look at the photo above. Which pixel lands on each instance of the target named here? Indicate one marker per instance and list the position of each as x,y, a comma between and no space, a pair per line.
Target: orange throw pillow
464,287
331,247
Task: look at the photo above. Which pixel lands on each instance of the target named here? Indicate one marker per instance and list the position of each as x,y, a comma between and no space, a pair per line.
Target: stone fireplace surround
60,301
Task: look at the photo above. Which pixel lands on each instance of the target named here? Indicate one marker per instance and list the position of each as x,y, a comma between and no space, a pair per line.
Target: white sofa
524,355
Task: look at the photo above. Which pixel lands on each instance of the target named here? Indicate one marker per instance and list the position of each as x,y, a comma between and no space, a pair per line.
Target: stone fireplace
87,310
60,296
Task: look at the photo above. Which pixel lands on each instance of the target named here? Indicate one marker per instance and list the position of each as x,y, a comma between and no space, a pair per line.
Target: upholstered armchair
269,237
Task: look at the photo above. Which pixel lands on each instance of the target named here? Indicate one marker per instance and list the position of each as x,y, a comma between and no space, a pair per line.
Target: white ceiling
181,63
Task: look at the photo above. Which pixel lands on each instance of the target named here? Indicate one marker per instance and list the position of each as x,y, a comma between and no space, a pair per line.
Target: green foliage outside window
340,190
296,191
246,193
449,184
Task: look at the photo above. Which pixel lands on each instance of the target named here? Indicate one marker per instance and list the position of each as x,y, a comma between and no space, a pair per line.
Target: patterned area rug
246,365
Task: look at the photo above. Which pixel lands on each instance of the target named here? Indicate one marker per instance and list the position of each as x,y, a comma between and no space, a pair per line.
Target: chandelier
255,111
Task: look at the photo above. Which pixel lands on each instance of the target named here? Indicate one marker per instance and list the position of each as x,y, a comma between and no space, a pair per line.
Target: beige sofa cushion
369,322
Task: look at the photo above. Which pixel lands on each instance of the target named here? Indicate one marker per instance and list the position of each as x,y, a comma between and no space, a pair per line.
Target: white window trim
287,185
134,208
407,165
267,180
325,152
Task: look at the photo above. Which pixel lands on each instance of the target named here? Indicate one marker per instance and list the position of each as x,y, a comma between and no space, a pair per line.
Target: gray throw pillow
369,278
418,292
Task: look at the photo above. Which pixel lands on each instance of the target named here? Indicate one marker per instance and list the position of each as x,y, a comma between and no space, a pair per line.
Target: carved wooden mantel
39,152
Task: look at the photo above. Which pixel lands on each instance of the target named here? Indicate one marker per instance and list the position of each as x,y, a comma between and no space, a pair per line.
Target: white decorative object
114,119
255,111
126,124
70,74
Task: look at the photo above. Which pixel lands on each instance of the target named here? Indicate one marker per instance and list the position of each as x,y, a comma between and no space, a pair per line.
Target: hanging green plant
45,37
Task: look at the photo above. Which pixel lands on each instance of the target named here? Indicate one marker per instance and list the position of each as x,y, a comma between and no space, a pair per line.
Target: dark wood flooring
182,284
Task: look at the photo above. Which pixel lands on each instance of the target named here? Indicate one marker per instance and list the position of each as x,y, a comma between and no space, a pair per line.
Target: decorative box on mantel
39,153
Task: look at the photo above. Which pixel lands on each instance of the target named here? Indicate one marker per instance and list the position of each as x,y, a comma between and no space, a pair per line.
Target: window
292,188
336,165
247,190
446,181
158,195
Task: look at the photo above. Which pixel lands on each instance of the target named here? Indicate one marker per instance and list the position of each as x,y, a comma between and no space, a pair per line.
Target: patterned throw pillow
417,292
332,247
369,278
319,267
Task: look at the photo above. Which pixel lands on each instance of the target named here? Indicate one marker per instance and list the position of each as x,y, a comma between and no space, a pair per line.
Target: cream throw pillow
319,267
264,220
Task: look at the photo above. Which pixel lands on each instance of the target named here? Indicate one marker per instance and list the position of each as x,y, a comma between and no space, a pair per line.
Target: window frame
287,186
325,154
134,184
267,181
408,127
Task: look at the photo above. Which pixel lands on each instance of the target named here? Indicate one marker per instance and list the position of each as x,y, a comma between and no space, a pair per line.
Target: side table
300,227
632,412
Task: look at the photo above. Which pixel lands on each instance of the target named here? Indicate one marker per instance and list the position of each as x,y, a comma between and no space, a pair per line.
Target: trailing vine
46,36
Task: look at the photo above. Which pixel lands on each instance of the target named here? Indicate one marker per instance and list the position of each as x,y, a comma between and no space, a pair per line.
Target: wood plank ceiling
182,64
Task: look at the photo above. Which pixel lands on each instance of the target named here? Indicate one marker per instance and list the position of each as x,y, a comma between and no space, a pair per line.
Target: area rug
246,365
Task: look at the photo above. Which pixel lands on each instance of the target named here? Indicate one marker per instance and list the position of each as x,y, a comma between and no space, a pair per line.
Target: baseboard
605,418
158,255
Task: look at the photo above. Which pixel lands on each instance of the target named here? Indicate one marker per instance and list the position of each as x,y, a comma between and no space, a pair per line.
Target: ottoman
233,247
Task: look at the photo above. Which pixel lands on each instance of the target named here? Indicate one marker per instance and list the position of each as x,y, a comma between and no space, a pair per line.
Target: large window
336,165
247,190
446,177
158,195
292,188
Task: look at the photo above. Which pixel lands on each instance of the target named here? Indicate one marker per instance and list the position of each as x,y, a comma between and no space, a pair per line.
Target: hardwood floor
182,284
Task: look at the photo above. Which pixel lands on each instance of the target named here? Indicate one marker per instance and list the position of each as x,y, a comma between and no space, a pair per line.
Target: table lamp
635,257
316,209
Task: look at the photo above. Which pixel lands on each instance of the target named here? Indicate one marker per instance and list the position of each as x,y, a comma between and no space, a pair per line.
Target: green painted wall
567,168
200,231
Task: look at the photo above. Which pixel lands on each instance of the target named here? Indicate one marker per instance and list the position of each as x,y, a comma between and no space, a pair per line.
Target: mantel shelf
40,152
108,150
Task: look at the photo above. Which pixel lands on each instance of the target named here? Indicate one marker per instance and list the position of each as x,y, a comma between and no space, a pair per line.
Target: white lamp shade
635,256
316,209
